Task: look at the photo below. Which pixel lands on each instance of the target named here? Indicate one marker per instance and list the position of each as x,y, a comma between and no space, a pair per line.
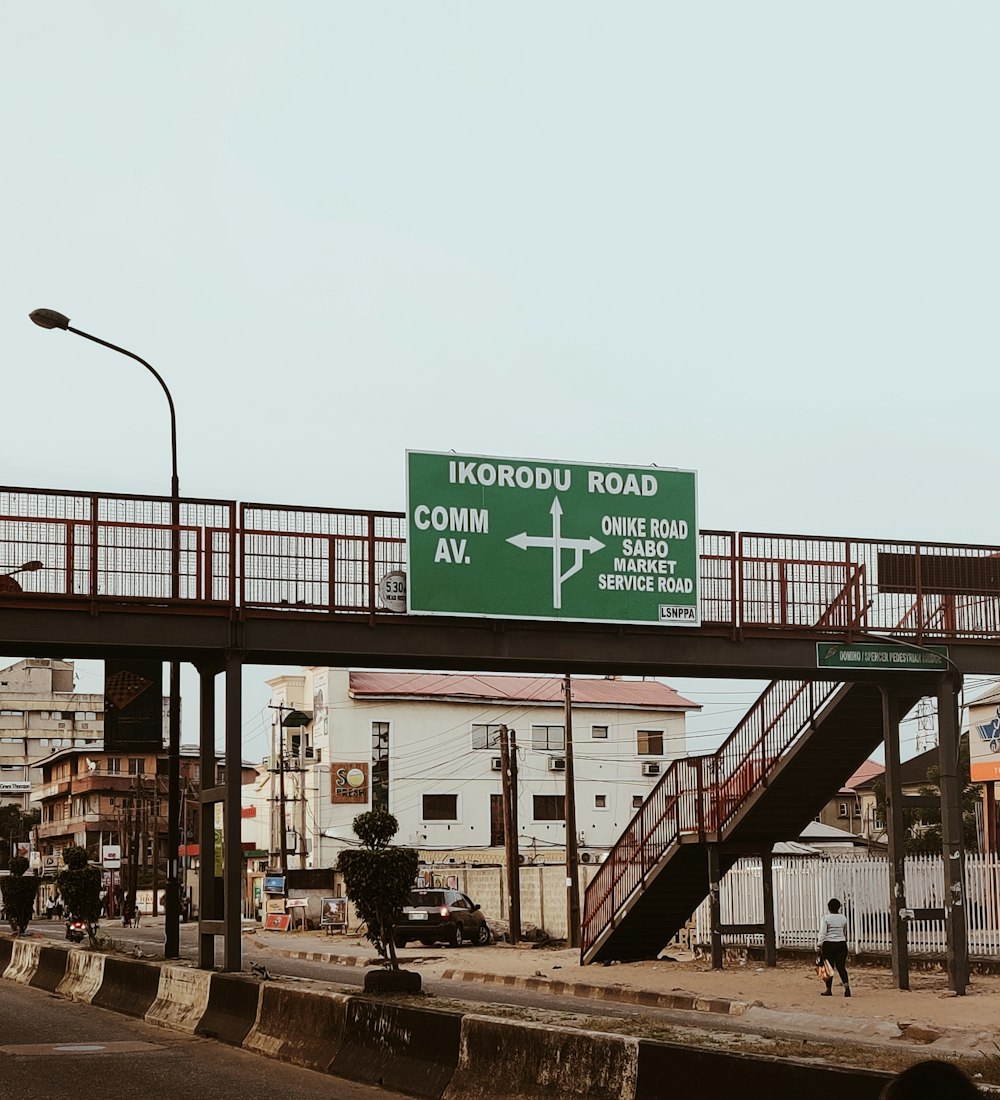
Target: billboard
133,705
526,539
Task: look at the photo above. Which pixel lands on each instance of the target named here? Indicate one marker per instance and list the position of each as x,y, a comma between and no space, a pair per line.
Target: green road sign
879,655
516,538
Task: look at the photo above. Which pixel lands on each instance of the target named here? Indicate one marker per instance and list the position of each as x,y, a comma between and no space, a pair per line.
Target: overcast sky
754,240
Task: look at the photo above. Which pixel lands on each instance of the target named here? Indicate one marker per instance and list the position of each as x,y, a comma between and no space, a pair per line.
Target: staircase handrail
711,788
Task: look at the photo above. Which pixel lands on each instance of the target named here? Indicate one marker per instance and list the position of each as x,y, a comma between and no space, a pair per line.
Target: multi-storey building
94,798
425,746
41,712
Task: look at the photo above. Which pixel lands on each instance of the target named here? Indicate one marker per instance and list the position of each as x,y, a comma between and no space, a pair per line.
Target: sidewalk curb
689,1002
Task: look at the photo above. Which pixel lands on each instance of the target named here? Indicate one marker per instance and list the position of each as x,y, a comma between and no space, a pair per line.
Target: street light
52,319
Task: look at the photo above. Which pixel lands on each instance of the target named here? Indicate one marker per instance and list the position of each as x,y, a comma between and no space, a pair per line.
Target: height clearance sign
516,538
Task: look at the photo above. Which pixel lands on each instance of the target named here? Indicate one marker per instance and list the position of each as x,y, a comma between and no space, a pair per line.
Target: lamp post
50,318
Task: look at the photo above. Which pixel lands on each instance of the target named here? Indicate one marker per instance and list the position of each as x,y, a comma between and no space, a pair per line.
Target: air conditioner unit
588,856
496,764
557,763
650,767
308,754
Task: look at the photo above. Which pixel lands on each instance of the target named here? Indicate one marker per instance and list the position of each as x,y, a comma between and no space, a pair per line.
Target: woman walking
832,945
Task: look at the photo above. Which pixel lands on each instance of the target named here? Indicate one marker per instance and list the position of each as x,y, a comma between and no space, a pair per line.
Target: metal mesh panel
113,547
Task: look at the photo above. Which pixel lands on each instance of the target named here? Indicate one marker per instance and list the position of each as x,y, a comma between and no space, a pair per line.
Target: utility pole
301,773
572,872
508,783
282,825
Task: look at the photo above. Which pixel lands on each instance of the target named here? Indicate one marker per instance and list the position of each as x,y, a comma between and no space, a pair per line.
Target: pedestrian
136,914
931,1080
832,945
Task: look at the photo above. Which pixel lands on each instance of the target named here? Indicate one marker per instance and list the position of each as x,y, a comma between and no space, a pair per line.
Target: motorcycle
75,930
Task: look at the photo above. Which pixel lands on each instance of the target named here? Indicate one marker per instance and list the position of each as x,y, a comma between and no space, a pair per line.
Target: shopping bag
824,969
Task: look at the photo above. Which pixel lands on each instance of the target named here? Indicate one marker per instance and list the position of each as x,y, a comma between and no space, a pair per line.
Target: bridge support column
767,892
715,905
897,850
209,910
952,847
233,870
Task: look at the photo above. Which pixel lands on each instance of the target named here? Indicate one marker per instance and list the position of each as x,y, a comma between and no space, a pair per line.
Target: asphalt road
54,1047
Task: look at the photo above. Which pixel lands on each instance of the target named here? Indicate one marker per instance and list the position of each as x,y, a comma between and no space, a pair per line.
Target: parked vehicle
435,916
75,930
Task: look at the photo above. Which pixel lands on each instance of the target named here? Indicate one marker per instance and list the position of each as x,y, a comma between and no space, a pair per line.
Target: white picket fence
803,885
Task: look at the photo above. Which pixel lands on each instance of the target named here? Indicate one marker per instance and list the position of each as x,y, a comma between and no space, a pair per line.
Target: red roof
868,771
519,689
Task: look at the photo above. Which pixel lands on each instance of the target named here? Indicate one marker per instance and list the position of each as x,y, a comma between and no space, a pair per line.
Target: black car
435,915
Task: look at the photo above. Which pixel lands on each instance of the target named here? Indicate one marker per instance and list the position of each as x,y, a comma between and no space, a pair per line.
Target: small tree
15,825
80,886
19,892
378,879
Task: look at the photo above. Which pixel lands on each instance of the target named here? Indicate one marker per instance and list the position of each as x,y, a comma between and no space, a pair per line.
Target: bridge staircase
790,754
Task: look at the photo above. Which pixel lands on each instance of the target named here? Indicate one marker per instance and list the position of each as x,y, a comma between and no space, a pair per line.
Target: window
85,716
440,807
380,766
114,765
600,801
162,766
548,739
637,801
649,742
486,736
599,732
549,807
842,810
857,809
136,765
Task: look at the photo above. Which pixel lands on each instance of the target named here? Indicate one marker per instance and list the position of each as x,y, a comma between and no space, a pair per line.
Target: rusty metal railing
701,795
272,559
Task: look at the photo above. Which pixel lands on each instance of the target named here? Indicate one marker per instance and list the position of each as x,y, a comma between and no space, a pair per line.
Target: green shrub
378,879
19,891
80,886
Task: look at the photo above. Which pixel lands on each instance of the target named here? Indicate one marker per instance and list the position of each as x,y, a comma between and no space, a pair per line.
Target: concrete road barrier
84,976
413,1050
51,968
504,1059
128,986
299,1025
232,1009
719,1075
6,951
181,998
24,962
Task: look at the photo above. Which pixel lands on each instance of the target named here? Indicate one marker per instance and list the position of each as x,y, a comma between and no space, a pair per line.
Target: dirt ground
790,988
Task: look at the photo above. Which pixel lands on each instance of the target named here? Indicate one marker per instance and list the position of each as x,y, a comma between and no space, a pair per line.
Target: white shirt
833,929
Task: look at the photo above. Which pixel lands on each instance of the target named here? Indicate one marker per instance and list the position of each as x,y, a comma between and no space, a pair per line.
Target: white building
425,747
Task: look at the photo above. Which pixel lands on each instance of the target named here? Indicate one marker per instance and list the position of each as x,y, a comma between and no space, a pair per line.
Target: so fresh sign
517,538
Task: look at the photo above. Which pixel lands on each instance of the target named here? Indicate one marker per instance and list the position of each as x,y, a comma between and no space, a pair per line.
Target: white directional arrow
579,547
